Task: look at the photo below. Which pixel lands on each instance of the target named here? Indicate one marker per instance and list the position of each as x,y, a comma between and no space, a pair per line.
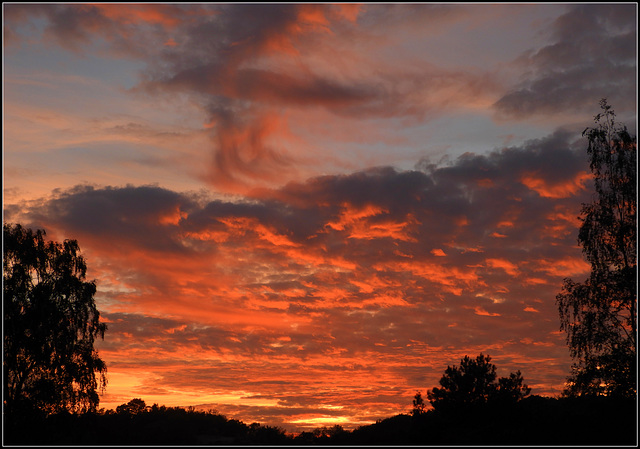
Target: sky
301,214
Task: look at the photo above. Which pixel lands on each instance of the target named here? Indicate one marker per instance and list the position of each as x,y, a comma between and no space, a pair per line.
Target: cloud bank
338,297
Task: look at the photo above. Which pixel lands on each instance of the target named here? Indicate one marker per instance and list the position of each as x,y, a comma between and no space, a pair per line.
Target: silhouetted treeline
156,425
535,420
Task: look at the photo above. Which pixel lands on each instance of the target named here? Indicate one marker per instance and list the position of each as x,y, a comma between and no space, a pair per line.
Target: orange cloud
562,189
168,16
355,221
349,11
246,152
240,226
351,215
173,217
333,276
535,281
391,229
308,19
482,312
452,279
564,267
374,283
509,267
313,16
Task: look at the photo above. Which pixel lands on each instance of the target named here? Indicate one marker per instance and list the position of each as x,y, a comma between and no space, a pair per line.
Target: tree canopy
133,407
599,315
474,383
50,325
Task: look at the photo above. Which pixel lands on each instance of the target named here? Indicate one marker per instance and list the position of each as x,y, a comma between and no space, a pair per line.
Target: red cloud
322,276
168,16
563,189
508,267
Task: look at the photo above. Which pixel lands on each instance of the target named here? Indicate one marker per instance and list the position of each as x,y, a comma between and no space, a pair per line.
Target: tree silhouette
474,383
133,407
419,407
512,388
600,314
50,325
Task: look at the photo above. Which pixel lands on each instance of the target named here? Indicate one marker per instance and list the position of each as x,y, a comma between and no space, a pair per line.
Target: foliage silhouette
473,383
600,314
50,325
133,407
512,388
419,407
155,425
534,420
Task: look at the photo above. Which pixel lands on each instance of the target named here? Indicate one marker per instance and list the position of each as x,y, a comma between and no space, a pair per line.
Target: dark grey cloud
482,190
138,32
132,214
592,55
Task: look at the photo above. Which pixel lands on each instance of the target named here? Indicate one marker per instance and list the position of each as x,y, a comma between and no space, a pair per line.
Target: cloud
131,30
105,213
246,76
593,55
247,66
371,268
268,80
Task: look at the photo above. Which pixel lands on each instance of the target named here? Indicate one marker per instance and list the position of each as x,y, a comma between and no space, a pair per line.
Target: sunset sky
300,214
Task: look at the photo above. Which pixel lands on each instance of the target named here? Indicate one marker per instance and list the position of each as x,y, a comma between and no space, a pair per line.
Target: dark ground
533,421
